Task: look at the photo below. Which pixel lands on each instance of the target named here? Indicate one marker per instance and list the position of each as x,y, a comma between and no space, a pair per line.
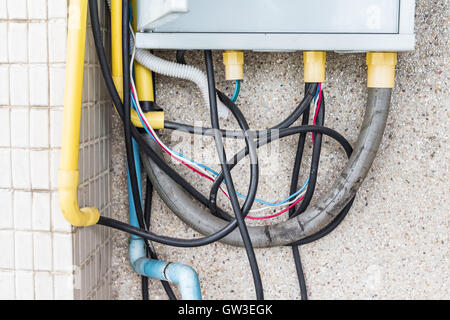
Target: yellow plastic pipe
144,83
144,78
68,172
116,45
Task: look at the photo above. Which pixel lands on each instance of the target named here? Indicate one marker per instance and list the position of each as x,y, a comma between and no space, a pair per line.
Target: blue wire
237,89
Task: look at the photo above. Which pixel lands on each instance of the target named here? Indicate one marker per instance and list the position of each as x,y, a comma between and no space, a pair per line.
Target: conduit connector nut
234,64
314,65
381,69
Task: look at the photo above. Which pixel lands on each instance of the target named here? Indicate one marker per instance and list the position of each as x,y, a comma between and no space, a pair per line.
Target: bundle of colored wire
192,165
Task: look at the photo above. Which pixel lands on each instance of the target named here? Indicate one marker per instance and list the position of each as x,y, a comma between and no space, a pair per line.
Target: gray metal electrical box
277,25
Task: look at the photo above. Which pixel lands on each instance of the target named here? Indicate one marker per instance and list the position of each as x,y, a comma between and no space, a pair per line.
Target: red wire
318,107
211,179
170,154
279,213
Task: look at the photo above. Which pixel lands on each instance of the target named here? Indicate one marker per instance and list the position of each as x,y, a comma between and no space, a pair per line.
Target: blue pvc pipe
180,274
184,276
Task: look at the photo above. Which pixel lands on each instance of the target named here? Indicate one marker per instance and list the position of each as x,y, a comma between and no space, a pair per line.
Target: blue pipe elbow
184,276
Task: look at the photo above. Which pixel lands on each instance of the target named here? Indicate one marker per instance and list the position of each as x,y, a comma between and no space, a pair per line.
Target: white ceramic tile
64,287
3,10
43,286
42,242
37,9
5,168
57,9
56,119
40,174
5,139
57,34
59,223
17,9
62,252
6,221
57,81
54,167
23,243
41,211
24,285
4,85
38,85
3,42
20,162
20,127
18,85
17,42
7,282
37,42
39,128
22,209
7,249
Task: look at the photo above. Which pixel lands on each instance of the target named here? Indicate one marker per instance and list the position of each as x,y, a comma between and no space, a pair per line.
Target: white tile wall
42,255
24,285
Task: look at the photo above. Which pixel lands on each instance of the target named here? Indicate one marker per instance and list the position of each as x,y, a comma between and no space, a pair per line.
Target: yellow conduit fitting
314,65
381,69
234,64
144,81
68,171
155,118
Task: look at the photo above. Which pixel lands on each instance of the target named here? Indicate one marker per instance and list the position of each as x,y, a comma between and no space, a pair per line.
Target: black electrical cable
127,127
310,90
309,191
294,186
180,56
127,113
228,178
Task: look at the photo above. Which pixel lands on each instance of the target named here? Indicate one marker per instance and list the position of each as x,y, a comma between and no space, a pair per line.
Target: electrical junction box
277,25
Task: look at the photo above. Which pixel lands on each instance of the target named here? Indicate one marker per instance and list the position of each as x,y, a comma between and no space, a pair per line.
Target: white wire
286,204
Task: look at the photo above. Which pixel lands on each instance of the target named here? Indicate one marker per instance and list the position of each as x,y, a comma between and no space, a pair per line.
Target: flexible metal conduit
314,219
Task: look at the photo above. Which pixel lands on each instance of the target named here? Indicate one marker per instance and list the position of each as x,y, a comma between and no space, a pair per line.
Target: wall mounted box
277,25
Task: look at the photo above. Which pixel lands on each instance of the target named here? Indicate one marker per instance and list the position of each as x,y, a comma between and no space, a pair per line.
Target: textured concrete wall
394,242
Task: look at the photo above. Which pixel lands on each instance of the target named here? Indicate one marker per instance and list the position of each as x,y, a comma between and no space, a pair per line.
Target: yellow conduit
68,172
144,81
